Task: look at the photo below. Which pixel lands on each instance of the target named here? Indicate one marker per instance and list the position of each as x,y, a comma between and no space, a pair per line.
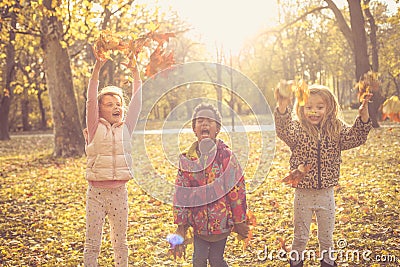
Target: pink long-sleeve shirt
92,119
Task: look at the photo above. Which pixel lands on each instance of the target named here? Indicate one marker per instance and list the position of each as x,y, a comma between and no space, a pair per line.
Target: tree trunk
25,113
373,108
4,111
355,36
43,123
372,37
9,69
359,38
343,26
361,55
359,46
68,138
396,81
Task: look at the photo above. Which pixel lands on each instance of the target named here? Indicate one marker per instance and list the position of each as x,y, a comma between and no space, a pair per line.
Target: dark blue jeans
211,251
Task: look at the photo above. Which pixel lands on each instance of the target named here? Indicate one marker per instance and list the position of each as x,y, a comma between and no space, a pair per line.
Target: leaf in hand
285,88
107,43
250,221
160,59
367,84
297,175
302,92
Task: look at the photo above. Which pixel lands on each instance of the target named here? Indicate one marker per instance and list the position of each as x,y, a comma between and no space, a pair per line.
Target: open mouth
116,114
205,132
314,118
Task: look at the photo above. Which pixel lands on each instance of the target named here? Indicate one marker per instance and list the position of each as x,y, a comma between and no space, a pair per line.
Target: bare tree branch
343,26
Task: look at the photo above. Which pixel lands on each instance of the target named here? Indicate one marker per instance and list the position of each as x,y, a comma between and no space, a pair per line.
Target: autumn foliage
286,88
369,83
251,221
297,175
302,92
109,42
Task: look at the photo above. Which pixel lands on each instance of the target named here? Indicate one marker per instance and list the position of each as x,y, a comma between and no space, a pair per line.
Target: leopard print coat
324,154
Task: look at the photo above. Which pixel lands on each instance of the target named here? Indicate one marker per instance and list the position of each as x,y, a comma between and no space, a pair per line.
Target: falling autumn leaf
160,59
282,244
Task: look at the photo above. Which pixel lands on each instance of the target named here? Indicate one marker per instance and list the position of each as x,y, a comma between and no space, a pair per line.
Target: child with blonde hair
316,139
108,148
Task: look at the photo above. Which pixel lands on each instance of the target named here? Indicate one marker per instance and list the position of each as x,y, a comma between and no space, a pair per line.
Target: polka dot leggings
102,202
306,203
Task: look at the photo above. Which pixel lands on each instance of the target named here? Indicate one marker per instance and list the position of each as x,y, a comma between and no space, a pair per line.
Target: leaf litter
42,209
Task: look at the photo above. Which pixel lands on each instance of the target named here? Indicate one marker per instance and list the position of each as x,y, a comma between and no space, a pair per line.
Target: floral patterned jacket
324,154
210,191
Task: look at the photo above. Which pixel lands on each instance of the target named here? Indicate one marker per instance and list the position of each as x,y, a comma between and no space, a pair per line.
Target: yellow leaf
63,44
31,50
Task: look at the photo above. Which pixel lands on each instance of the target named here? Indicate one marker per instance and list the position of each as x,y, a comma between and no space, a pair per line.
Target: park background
46,59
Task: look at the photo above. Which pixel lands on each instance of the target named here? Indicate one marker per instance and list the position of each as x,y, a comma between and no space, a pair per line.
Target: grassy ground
42,209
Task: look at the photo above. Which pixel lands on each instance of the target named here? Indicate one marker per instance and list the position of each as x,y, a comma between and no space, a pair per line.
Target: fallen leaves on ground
42,209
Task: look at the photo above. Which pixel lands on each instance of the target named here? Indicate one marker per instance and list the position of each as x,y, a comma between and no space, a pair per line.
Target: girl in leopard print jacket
316,139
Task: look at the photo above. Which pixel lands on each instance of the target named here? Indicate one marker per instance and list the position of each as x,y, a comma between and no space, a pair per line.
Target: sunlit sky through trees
229,23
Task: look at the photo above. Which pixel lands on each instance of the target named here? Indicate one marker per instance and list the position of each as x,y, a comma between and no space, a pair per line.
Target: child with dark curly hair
210,191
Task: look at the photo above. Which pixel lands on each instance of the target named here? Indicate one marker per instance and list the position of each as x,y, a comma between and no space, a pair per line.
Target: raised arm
357,135
92,106
135,105
286,128
363,110
282,102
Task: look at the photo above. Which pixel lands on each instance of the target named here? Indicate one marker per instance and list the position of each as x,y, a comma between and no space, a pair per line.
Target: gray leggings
306,203
211,251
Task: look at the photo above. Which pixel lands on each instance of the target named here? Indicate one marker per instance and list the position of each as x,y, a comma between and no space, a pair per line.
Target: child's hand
283,102
363,109
97,65
177,246
178,242
242,229
179,251
135,70
98,59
